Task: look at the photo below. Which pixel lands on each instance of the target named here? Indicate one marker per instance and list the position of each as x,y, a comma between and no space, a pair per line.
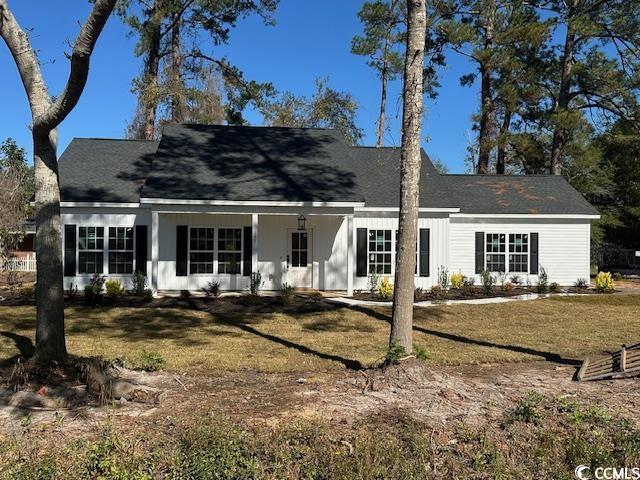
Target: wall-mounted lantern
302,222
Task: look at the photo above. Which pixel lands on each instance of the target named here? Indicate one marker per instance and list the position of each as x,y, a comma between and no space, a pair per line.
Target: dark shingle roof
252,163
527,194
288,164
104,170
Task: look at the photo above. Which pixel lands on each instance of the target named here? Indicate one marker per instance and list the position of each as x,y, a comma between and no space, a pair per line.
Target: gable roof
104,170
234,163
198,162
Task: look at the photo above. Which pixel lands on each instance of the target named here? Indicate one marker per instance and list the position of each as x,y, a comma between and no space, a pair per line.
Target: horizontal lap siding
564,248
439,239
105,217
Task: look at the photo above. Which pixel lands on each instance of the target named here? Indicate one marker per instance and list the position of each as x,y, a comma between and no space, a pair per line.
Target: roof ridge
116,139
249,126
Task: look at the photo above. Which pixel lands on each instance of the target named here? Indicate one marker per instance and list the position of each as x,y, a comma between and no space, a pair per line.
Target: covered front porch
304,246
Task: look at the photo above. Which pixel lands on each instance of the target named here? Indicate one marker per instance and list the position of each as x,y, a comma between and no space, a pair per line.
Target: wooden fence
19,264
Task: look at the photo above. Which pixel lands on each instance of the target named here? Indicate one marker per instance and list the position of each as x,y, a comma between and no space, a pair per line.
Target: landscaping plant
150,361
374,280
488,282
114,288
418,293
604,283
543,281
212,290
581,283
94,291
443,278
457,280
139,282
255,283
386,289
286,294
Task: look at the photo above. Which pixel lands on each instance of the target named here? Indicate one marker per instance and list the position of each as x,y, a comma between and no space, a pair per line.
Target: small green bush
437,292
467,286
418,294
543,281
420,353
581,283
604,283
374,280
114,288
395,352
488,282
212,290
286,294
527,410
443,277
255,283
139,282
386,289
617,276
148,294
554,287
457,280
515,279
150,361
185,294
94,291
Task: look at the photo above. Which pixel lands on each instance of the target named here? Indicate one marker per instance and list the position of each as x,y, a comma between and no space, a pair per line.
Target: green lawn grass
198,342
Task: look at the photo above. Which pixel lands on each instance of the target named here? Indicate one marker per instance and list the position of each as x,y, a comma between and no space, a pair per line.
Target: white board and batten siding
563,245
438,252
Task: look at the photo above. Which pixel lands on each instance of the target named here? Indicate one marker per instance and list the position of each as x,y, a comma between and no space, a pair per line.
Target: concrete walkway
474,301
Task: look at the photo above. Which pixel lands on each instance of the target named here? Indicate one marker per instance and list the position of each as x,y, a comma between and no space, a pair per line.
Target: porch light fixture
302,222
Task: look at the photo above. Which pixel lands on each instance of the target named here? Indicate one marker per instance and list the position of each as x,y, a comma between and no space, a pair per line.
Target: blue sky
310,39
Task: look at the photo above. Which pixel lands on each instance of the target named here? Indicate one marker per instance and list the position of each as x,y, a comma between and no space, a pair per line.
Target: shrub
437,291
554,287
94,291
604,283
185,294
72,292
418,293
526,410
255,283
443,277
457,280
508,287
543,281
386,289
27,291
374,280
139,281
114,288
150,361
467,286
148,294
212,290
581,283
286,294
617,276
420,353
488,282
315,296
515,279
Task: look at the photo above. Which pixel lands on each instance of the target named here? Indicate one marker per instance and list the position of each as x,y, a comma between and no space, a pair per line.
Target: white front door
300,258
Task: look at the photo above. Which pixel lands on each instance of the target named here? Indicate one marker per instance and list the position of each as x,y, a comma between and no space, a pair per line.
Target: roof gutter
251,203
528,215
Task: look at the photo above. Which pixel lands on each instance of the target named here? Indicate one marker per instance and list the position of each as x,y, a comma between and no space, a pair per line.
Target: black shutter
424,252
479,252
533,258
141,248
182,250
69,250
247,251
361,252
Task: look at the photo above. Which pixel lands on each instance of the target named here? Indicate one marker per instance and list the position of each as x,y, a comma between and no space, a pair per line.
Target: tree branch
80,57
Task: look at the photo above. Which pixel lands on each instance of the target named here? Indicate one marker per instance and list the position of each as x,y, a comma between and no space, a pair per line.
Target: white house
300,206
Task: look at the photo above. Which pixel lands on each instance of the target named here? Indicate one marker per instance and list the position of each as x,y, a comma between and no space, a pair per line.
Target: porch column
349,255
254,242
155,234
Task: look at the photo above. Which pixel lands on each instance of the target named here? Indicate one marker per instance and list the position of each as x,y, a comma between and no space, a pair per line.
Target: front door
300,258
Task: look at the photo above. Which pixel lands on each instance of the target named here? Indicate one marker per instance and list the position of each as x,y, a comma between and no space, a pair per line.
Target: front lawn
559,329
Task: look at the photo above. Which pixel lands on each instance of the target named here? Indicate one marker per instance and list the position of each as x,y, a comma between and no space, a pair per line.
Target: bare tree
402,317
47,113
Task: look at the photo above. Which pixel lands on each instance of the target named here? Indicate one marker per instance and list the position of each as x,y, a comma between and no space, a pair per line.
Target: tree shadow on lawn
24,345
547,356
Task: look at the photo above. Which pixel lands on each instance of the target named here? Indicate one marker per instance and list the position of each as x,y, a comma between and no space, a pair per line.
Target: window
201,254
299,249
380,251
121,250
229,250
496,243
90,250
518,252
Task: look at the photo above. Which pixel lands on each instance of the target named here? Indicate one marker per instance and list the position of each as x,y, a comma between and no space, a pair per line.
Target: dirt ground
477,395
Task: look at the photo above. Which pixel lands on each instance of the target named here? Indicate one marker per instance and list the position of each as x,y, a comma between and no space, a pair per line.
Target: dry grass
197,342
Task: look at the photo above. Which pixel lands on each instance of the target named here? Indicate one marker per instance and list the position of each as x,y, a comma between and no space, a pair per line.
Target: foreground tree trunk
151,73
47,115
178,107
487,112
501,158
402,316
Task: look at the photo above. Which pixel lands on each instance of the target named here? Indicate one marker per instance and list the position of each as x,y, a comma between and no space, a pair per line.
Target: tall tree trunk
47,115
151,74
177,95
384,77
502,145
402,315
564,93
487,130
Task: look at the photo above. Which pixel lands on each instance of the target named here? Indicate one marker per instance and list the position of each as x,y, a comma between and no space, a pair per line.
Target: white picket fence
20,264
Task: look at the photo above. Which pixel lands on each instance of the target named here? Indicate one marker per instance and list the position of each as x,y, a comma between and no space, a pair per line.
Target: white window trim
392,270
108,250
218,251
104,251
526,254
215,252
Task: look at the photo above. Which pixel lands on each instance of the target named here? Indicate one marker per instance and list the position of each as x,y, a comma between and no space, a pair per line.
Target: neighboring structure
23,257
302,207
